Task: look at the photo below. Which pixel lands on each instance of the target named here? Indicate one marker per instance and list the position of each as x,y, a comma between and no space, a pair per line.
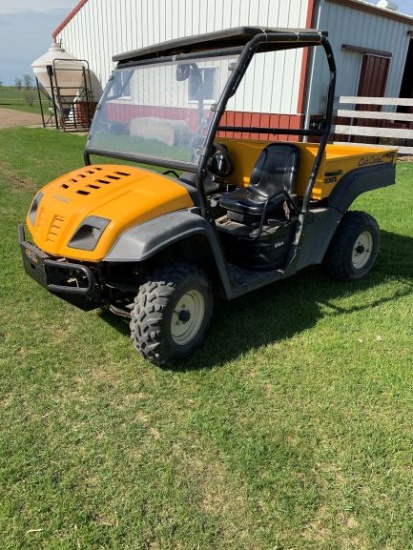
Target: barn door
373,78
406,89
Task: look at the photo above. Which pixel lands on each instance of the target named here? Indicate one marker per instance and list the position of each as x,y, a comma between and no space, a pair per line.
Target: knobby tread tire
338,263
153,309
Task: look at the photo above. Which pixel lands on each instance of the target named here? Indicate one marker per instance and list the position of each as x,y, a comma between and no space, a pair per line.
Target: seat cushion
244,200
248,200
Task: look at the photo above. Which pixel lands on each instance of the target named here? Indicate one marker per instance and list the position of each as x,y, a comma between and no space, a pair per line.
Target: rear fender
147,240
360,181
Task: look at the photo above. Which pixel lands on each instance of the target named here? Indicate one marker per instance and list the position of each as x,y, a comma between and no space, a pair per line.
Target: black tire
171,314
354,247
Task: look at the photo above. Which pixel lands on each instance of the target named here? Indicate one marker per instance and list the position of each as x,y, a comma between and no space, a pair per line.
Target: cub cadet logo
61,199
330,179
370,160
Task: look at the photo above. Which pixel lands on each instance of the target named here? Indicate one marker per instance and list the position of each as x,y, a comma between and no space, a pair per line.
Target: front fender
144,241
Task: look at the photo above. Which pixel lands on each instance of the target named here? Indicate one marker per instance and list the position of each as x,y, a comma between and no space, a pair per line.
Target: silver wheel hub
362,250
187,317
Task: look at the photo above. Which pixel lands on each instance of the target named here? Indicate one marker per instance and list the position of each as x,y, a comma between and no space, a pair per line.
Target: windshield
159,112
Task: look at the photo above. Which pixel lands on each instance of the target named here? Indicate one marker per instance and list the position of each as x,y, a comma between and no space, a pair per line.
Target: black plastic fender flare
360,181
146,240
323,223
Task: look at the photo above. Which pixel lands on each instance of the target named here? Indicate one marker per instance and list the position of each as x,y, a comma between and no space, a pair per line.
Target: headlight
34,207
88,233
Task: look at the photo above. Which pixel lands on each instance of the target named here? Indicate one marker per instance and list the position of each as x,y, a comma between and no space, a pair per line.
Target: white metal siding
103,28
350,26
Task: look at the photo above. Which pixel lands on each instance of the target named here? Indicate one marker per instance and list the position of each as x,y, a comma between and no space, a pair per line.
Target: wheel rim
362,250
187,317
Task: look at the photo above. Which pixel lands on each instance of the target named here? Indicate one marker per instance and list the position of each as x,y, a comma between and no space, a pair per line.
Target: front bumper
73,282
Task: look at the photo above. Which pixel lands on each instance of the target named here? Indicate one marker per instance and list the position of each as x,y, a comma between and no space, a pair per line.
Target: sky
26,28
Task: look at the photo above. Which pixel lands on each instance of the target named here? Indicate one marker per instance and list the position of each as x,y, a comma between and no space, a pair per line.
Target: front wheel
171,314
354,247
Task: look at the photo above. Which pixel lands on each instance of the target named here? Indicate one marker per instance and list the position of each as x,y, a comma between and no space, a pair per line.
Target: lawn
290,429
21,100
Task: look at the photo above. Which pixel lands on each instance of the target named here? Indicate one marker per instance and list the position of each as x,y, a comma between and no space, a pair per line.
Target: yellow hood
125,195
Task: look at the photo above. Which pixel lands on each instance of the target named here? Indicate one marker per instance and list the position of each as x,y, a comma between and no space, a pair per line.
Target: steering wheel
220,162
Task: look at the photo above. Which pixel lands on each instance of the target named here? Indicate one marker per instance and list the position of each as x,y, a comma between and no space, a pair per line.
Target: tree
18,82
27,79
1,82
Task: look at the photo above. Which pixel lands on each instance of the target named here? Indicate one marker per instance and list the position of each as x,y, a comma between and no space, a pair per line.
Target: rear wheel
171,314
354,247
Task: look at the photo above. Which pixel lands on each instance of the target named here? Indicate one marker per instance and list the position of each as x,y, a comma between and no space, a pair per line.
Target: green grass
290,429
19,100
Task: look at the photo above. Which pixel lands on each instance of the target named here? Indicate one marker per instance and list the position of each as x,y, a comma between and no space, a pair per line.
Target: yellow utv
191,203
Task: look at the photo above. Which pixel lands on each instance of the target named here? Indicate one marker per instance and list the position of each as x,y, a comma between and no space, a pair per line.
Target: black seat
272,183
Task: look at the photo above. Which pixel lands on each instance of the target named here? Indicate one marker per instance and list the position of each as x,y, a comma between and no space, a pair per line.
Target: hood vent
93,184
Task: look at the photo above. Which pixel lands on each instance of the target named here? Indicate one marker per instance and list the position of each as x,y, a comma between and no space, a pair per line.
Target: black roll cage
247,41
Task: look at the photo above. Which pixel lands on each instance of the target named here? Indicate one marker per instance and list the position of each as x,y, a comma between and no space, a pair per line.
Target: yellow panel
124,195
338,160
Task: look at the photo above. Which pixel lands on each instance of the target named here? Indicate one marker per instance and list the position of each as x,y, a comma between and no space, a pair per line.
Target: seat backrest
276,169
